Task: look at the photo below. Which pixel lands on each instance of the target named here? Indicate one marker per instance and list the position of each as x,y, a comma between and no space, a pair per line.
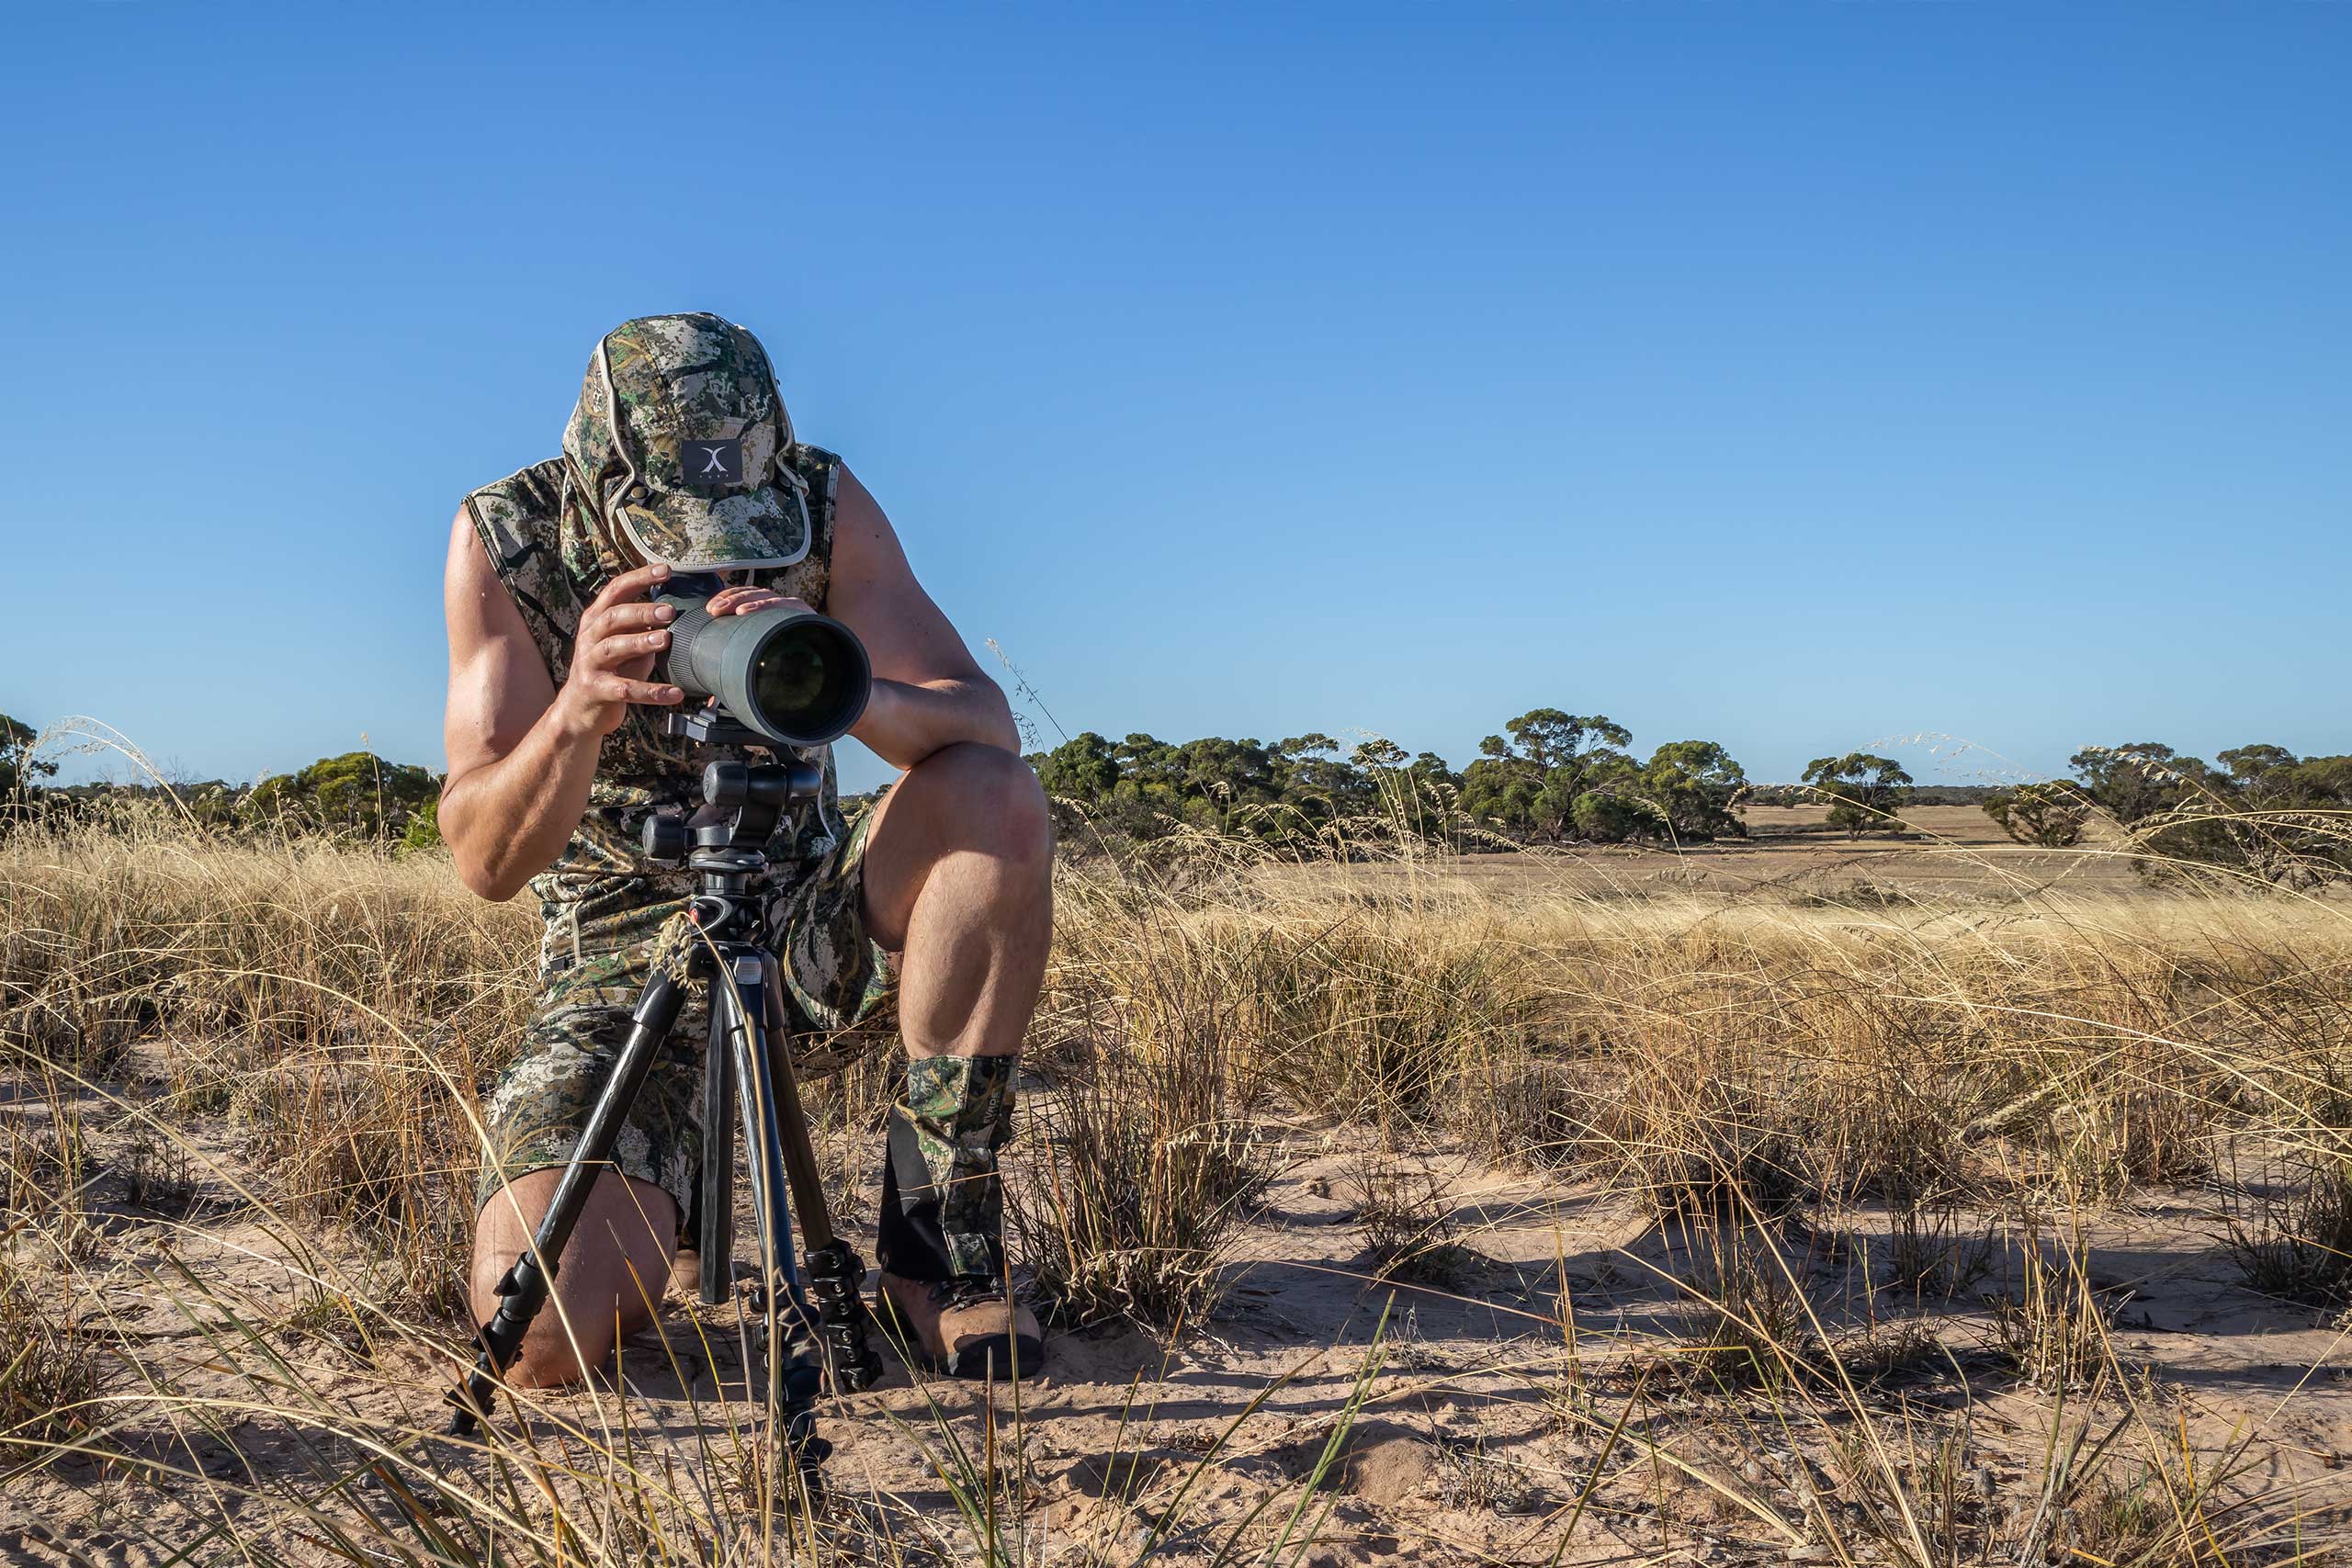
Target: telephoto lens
793,676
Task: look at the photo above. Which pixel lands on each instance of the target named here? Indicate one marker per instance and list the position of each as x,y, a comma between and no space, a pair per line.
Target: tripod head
725,839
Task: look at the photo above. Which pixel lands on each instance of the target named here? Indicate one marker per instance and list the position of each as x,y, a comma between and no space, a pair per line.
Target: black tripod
814,1321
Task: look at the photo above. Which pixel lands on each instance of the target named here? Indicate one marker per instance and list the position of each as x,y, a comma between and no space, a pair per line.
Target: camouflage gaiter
943,1202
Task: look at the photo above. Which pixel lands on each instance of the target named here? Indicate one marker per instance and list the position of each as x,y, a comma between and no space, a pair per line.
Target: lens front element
809,677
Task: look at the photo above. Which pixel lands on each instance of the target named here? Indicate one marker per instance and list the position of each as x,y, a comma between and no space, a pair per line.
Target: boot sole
995,1356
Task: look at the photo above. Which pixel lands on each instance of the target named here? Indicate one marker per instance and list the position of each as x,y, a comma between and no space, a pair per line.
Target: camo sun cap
678,447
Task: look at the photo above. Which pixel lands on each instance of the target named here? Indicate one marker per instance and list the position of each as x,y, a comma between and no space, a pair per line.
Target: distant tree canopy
2050,816
1863,791
1530,775
2259,811
1604,819
1691,787
356,794
1551,776
356,791
2138,780
18,767
2265,773
2264,813
1142,784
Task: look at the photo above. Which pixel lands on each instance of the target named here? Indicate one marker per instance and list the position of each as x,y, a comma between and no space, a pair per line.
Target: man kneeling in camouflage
680,457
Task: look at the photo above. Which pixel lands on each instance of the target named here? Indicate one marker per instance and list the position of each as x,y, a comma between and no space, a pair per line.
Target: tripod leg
762,1150
714,1200
523,1289
796,1372
835,1275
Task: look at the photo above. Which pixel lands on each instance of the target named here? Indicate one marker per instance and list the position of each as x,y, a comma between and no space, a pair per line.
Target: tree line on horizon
357,794
2256,809
1550,777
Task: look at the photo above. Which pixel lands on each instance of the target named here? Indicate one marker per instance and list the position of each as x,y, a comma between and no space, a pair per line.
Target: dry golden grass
288,1041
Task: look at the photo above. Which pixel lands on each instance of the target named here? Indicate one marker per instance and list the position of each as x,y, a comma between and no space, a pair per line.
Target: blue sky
1799,377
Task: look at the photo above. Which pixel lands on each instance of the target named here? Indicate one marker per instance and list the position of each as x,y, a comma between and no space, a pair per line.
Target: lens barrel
796,677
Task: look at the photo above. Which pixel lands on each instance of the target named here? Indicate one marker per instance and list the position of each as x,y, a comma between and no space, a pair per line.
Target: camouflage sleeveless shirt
601,892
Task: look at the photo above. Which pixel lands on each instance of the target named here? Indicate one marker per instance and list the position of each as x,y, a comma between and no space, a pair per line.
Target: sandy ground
1483,1424
1479,1433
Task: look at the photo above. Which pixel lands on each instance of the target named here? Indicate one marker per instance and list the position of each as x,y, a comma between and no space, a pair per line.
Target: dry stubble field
1925,1202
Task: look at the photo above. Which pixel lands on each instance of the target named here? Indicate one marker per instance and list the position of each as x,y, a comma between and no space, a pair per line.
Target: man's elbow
997,727
497,883
481,874
484,882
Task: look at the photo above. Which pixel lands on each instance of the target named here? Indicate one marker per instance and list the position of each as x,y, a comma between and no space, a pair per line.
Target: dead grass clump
2297,1246
1469,1477
42,1165
1371,1013
1728,1061
1530,1110
141,924
1126,1213
1892,1114
378,1137
337,1004
1892,1351
2127,1490
1144,1159
1935,1249
1712,1150
2052,1327
46,1174
1389,1026
49,1365
2173,1503
157,1173
1408,1222
847,1112
2129,1136
1746,1322
1921,1497
1717,1055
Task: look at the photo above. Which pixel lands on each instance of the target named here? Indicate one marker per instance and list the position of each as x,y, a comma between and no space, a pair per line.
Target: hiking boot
966,1327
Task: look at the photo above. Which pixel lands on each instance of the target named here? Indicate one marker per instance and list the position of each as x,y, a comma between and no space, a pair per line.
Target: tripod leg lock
834,1276
522,1291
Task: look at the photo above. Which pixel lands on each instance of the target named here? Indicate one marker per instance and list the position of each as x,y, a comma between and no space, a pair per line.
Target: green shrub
2048,816
424,831
1604,819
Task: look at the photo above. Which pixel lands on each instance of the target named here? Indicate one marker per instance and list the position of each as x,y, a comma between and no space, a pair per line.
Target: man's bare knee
607,1282
979,797
977,808
559,1350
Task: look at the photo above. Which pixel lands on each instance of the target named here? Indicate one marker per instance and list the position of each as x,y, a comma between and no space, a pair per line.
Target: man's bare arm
522,753
928,694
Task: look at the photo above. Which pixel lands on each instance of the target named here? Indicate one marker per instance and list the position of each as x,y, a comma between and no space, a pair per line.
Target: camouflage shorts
838,996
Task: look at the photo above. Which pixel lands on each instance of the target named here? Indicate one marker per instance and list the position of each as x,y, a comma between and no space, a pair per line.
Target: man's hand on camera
743,599
619,636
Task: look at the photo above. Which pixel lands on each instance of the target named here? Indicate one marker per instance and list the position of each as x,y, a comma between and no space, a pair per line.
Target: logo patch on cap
712,465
